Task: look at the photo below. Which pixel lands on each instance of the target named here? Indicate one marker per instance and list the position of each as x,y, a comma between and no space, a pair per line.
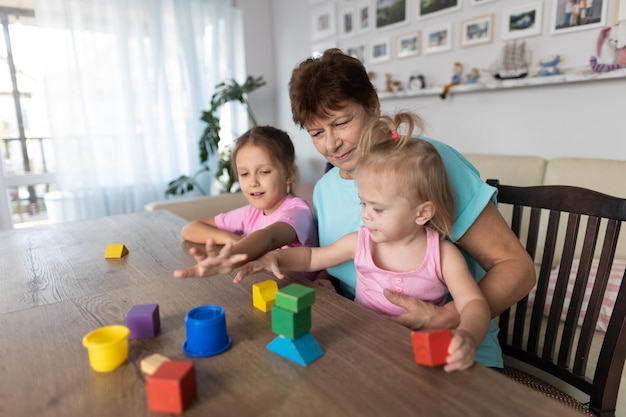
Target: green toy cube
290,324
295,297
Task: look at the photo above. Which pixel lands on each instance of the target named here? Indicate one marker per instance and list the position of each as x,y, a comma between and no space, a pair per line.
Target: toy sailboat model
514,61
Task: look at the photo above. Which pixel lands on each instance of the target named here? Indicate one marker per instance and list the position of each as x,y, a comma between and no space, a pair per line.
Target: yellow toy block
150,364
116,250
264,294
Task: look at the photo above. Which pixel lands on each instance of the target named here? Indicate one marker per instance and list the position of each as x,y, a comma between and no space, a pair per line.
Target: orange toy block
171,387
264,294
430,347
150,364
115,250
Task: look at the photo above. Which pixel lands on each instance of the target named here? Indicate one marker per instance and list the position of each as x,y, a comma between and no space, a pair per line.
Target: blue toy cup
206,332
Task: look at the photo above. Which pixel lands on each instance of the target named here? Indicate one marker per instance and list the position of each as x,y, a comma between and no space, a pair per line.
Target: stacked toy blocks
143,321
171,387
291,321
430,347
264,294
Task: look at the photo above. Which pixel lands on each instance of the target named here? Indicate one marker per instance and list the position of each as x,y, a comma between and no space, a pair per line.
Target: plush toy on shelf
548,65
608,57
473,76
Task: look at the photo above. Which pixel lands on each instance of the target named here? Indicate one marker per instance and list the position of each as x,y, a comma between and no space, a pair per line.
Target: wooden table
56,286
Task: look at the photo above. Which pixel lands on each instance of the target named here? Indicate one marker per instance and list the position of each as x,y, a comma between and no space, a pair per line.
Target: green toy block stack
291,321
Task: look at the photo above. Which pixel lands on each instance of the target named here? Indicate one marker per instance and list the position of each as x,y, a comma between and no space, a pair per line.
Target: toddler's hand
267,262
461,352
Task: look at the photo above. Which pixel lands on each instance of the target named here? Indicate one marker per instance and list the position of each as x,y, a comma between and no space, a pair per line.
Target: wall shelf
568,77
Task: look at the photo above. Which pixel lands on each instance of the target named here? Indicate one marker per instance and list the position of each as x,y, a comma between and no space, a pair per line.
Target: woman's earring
288,188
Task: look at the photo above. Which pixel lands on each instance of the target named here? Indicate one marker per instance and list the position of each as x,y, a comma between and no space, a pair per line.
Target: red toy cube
431,346
171,387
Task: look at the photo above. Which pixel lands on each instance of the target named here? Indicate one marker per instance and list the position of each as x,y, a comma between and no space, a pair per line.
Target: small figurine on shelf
456,79
416,82
548,65
392,85
473,76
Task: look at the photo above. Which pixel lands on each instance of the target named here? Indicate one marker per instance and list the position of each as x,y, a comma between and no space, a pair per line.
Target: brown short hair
327,83
278,145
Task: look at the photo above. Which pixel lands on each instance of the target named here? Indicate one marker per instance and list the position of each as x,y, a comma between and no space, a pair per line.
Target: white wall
581,119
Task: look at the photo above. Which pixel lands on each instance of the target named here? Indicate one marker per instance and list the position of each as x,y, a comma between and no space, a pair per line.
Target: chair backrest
546,330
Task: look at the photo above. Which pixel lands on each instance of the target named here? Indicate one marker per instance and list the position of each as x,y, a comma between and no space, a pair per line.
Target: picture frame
323,21
363,16
347,22
408,44
437,39
566,21
429,8
357,51
477,30
522,21
479,2
380,51
390,13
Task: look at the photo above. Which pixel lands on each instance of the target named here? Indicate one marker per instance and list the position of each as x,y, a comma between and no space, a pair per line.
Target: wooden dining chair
572,234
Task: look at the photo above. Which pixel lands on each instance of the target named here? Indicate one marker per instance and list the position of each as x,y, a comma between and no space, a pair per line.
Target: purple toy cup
206,332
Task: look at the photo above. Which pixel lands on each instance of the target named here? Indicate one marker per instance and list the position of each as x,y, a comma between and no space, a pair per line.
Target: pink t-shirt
426,282
294,211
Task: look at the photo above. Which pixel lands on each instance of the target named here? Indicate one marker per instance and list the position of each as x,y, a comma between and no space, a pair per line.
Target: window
26,154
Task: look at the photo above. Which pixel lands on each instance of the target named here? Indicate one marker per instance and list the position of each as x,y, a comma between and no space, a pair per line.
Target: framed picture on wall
568,16
323,21
408,44
438,39
357,51
428,8
522,21
477,31
390,13
347,22
380,51
364,16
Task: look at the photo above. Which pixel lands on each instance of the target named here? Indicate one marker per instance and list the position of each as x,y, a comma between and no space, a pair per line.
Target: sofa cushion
510,169
602,175
608,301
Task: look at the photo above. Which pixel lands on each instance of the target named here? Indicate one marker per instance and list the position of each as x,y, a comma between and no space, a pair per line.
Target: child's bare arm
199,231
210,261
472,307
302,258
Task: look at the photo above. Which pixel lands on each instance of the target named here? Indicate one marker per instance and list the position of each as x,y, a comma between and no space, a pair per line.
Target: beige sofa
193,208
607,176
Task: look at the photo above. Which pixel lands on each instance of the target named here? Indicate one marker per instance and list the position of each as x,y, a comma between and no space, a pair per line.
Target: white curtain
126,82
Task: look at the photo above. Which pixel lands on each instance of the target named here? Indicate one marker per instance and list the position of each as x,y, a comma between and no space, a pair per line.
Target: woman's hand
420,315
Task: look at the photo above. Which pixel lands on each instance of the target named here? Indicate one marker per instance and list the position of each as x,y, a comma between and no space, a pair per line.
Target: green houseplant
208,144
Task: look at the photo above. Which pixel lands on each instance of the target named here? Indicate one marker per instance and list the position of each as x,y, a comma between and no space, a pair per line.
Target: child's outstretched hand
267,262
210,261
461,352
